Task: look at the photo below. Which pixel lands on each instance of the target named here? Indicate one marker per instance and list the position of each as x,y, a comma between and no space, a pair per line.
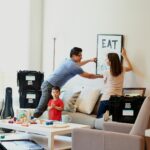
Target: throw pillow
95,110
69,98
87,100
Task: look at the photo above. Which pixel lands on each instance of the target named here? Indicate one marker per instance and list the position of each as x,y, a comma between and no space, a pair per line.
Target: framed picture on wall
107,43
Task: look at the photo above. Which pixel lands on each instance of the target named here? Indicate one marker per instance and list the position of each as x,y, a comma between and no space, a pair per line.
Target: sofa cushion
69,98
87,100
81,118
96,107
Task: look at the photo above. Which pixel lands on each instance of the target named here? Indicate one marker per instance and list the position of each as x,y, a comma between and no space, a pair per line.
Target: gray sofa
82,118
70,99
116,136
87,119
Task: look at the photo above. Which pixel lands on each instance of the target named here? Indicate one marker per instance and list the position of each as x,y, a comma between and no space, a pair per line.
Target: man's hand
87,61
90,75
93,59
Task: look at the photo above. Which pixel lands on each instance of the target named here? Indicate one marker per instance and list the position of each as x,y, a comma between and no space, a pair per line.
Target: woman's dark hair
56,88
115,64
75,51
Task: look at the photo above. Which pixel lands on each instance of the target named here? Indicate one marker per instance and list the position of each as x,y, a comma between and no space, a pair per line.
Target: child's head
114,63
55,92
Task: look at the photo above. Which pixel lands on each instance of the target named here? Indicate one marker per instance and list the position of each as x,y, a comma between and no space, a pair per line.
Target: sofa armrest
117,127
87,139
122,141
90,139
147,139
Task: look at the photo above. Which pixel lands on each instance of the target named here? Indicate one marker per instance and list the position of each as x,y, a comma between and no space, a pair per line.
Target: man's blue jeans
46,88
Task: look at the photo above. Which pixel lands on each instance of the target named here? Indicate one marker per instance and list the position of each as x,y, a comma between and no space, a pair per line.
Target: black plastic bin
29,98
124,108
27,79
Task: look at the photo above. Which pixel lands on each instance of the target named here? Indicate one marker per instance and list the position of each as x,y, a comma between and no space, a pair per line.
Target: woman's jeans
104,105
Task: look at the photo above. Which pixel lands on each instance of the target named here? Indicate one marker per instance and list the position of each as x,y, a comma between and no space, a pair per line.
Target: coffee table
52,137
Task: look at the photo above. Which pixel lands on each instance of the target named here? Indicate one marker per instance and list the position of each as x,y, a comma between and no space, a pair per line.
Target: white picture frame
107,43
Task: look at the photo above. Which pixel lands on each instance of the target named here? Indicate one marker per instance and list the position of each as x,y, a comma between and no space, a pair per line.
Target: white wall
20,40
36,35
77,23
14,45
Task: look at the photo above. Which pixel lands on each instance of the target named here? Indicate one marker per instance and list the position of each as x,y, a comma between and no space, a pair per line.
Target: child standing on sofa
113,80
55,105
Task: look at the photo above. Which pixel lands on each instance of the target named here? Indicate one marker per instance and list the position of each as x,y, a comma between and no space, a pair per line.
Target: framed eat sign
107,43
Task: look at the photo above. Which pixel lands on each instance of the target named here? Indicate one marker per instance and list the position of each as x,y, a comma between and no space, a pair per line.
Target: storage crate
124,108
29,98
27,79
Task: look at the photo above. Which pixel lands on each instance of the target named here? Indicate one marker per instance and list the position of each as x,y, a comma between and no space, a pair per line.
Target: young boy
55,105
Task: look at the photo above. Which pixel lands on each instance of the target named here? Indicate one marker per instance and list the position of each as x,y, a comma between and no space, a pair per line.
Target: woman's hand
129,66
124,54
